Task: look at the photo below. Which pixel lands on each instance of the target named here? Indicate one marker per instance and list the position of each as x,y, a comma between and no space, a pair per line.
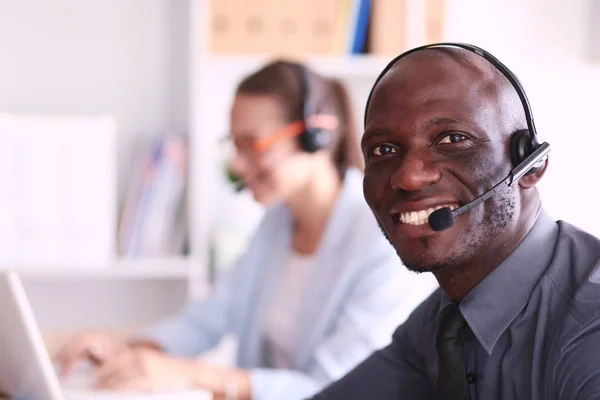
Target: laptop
26,370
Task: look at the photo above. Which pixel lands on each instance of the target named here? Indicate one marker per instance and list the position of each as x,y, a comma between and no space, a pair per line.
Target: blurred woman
319,287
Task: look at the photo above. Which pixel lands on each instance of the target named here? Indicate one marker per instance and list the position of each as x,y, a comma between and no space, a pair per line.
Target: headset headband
304,91
512,78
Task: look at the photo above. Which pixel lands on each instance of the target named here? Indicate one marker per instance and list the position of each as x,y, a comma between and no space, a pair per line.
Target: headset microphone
443,218
239,186
235,180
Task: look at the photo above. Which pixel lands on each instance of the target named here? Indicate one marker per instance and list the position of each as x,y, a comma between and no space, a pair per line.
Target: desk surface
92,395
77,387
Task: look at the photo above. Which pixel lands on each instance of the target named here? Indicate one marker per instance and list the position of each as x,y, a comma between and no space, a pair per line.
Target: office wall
123,57
547,44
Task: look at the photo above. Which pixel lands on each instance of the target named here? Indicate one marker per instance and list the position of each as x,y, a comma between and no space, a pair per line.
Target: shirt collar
492,305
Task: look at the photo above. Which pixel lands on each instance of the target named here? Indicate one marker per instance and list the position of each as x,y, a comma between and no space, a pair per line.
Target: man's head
438,131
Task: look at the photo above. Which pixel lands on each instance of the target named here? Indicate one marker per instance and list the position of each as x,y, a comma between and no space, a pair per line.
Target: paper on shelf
59,190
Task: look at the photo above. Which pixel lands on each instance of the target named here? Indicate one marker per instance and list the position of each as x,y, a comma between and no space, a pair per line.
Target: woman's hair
329,96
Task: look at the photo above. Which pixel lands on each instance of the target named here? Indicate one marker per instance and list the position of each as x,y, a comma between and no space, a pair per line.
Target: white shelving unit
346,67
136,71
152,269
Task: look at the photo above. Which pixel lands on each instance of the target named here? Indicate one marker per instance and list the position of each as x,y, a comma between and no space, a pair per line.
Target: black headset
312,139
523,142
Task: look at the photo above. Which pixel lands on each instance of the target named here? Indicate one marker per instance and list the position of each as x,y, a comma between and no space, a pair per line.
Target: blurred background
114,202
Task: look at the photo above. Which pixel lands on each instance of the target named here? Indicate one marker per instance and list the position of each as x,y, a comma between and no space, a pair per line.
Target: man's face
437,134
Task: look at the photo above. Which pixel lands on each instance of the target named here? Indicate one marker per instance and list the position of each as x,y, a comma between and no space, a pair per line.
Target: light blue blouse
355,298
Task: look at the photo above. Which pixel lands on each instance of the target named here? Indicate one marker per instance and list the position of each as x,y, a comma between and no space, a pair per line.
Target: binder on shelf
153,222
387,31
91,195
435,16
340,37
59,190
226,25
259,26
360,11
318,27
323,23
288,24
277,27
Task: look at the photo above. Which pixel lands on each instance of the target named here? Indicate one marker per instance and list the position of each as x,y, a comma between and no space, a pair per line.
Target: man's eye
453,138
383,150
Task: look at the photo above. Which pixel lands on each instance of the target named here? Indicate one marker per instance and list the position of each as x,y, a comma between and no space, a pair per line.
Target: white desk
76,387
90,395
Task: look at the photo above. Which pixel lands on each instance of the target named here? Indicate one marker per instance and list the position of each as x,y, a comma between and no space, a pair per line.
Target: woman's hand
145,369
149,370
97,347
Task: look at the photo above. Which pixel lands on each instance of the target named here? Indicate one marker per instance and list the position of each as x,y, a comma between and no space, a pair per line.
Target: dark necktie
452,379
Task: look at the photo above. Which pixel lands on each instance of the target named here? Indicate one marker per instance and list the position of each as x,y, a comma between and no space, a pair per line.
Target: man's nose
414,172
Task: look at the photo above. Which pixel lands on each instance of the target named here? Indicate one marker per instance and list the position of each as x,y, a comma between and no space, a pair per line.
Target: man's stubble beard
499,217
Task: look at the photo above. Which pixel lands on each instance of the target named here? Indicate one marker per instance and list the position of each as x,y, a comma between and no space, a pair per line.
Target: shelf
342,66
176,268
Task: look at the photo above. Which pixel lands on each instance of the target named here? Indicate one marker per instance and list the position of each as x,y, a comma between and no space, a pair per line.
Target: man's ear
529,181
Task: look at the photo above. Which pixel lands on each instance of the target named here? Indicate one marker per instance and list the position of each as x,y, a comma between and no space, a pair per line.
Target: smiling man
517,315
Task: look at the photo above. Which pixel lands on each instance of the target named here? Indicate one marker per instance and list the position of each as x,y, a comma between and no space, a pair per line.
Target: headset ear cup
521,146
313,140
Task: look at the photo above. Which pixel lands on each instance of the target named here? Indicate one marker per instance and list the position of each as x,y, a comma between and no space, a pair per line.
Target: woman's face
279,169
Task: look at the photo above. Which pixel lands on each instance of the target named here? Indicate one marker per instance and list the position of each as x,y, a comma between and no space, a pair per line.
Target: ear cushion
313,140
522,144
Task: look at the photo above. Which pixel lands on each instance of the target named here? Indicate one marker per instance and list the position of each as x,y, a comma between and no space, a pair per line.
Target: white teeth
413,217
422,216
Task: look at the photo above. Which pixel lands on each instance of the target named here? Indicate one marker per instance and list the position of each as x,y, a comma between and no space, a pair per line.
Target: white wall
122,57
546,43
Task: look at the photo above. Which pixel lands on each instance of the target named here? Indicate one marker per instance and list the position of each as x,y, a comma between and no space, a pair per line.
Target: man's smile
418,216
410,219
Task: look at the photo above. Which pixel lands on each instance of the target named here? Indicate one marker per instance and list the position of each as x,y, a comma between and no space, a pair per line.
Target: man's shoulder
576,259
575,272
572,235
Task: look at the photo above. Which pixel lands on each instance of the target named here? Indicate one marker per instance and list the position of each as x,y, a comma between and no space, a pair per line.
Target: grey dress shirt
535,329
